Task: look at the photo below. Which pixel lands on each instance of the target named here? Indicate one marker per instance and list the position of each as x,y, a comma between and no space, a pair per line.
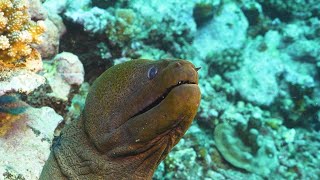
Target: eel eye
152,72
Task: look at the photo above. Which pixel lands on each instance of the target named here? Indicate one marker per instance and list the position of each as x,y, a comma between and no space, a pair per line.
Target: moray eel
134,114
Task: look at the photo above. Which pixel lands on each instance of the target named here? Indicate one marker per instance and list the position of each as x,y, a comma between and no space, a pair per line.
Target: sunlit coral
18,34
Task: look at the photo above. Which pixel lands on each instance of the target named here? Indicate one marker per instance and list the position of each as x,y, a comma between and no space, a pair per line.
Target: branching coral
18,34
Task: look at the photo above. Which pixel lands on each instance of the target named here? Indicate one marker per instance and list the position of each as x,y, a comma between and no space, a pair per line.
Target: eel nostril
178,64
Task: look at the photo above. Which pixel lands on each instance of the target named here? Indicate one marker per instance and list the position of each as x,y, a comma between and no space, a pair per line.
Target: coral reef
299,156
203,12
54,30
124,28
259,77
77,103
18,33
191,158
23,28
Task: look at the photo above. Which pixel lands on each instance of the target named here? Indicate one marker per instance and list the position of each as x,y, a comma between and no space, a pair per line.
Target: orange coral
18,34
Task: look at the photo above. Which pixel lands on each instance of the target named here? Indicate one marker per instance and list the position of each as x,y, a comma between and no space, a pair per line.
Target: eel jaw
166,132
161,98
175,109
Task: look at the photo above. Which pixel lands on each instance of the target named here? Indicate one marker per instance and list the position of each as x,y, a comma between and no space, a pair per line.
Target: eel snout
168,116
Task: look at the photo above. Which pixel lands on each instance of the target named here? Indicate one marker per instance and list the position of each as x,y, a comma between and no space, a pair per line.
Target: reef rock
54,30
26,146
226,30
19,81
63,71
256,80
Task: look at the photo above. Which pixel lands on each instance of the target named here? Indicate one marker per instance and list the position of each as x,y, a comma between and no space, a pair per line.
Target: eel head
140,109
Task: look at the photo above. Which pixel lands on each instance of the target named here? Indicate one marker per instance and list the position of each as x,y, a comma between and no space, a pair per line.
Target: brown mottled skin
117,137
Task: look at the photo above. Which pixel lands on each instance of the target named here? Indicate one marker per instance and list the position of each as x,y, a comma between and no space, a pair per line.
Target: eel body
134,114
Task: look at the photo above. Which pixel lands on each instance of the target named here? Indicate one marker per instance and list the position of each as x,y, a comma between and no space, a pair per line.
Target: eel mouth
161,98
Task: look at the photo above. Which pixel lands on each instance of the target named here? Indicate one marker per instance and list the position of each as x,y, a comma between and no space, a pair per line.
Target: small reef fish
11,107
11,104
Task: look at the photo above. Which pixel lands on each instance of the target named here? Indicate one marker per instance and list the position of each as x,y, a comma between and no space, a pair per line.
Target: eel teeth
197,68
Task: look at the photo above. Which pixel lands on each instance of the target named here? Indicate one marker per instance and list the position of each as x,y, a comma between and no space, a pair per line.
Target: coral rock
17,28
16,81
63,71
231,33
24,152
260,158
50,46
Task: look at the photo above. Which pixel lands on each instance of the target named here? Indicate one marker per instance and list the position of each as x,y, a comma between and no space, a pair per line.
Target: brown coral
18,34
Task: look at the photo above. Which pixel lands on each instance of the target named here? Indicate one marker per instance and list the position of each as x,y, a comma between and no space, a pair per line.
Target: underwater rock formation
299,155
63,71
218,89
260,158
226,30
55,29
227,60
134,26
245,141
256,80
16,81
25,138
